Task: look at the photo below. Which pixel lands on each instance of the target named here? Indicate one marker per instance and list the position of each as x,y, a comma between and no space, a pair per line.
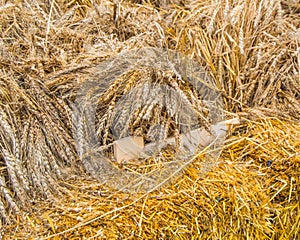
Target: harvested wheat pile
250,49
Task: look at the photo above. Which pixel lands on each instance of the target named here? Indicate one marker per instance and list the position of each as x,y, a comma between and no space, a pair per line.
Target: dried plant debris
250,49
252,192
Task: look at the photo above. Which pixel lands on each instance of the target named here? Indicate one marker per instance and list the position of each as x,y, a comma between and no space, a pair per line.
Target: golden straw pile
251,49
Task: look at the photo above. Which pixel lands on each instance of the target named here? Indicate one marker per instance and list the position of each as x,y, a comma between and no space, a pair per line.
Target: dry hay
251,50
253,193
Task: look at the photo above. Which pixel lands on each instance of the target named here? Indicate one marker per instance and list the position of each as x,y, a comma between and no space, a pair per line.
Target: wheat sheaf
140,93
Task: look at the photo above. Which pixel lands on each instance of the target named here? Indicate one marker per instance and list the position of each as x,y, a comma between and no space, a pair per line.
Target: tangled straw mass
250,49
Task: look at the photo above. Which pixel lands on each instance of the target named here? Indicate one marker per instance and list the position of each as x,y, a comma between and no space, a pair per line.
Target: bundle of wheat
251,49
